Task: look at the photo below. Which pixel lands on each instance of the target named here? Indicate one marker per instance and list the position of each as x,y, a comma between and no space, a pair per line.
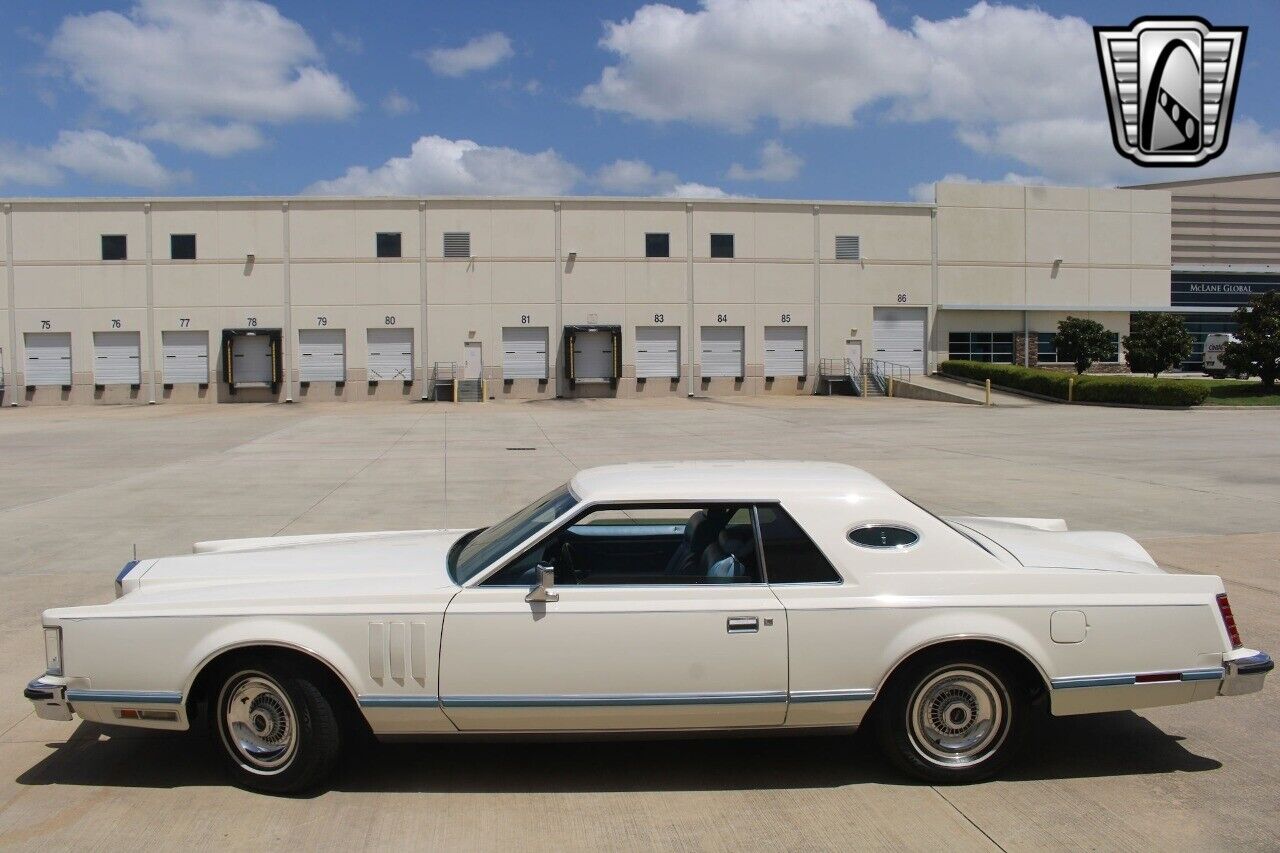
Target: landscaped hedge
1107,388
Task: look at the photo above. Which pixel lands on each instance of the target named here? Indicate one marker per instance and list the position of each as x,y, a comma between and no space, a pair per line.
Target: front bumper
49,698
1245,674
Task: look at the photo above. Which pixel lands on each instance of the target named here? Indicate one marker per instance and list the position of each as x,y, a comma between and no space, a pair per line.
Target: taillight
1224,607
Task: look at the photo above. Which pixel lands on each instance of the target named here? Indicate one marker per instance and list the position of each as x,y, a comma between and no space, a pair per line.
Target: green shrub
1125,390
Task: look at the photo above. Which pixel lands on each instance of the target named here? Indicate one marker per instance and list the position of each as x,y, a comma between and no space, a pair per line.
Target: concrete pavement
82,486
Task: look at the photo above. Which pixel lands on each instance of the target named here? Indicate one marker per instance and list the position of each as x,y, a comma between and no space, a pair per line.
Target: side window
645,546
789,554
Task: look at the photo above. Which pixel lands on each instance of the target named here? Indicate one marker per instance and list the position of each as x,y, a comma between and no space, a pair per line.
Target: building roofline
429,199
1194,182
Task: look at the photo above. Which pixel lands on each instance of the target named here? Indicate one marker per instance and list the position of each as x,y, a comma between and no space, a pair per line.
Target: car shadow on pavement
1117,744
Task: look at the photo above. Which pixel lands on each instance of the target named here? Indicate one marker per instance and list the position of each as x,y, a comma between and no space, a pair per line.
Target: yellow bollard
484,390
890,386
455,390
1071,389
988,392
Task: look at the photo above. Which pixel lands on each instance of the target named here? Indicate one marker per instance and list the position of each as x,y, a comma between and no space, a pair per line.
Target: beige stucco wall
547,263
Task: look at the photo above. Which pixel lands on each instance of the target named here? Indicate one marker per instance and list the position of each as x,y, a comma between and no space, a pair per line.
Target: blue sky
764,98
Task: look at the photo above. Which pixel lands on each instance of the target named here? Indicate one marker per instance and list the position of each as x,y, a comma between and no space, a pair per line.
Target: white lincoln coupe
652,599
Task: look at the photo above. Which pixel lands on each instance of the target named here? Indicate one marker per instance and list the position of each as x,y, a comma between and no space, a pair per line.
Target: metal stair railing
443,373
880,372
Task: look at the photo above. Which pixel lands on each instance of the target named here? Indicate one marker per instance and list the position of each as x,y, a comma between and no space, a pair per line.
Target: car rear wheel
948,719
277,730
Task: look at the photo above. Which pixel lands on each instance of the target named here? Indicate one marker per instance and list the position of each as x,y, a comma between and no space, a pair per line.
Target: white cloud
200,63
26,167
777,163
481,53
634,176
218,140
440,166
350,42
396,104
92,154
924,191
735,61
110,159
1017,84
695,190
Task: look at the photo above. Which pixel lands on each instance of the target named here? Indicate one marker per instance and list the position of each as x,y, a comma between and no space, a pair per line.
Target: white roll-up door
593,355
784,351
251,360
186,357
722,351
322,355
117,358
524,352
391,355
48,358
898,336
657,351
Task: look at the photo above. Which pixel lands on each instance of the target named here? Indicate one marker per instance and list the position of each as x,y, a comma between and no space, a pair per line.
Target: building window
848,247
457,244
182,247
722,245
657,245
1047,348
115,247
981,346
389,244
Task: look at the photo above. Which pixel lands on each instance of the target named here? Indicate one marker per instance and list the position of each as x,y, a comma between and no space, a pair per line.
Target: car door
676,644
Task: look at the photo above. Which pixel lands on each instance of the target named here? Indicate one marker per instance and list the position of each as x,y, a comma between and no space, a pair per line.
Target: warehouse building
1225,235
296,299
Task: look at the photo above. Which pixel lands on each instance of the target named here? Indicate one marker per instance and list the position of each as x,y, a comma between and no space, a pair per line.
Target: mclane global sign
1170,86
1207,289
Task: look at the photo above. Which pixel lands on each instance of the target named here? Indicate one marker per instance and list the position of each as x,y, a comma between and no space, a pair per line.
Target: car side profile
655,599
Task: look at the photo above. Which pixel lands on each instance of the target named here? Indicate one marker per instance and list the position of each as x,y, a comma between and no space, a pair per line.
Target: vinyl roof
724,480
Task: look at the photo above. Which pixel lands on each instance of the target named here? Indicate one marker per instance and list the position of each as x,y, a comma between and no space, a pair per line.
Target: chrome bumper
49,699
1245,674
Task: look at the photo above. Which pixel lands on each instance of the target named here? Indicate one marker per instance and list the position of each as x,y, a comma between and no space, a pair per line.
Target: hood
333,567
1043,543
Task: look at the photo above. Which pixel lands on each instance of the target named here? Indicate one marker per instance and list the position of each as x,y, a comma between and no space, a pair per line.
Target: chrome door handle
742,625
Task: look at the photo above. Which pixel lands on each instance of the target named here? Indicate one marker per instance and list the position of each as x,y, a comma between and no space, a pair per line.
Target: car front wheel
952,719
277,730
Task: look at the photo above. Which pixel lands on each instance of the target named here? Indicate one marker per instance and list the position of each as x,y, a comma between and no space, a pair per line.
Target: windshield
492,542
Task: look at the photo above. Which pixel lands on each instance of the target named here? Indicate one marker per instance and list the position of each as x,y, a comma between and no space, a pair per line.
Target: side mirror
544,590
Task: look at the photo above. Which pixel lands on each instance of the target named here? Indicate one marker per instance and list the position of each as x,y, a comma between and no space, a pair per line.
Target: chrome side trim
1093,681
613,700
399,701
124,697
852,695
1213,673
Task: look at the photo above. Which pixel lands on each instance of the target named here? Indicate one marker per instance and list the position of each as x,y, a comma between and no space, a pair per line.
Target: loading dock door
722,351
251,360
784,351
322,355
117,358
391,355
524,352
593,355
899,336
48,358
657,352
186,357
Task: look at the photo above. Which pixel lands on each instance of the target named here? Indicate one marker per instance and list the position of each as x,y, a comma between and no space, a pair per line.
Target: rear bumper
49,698
1245,674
